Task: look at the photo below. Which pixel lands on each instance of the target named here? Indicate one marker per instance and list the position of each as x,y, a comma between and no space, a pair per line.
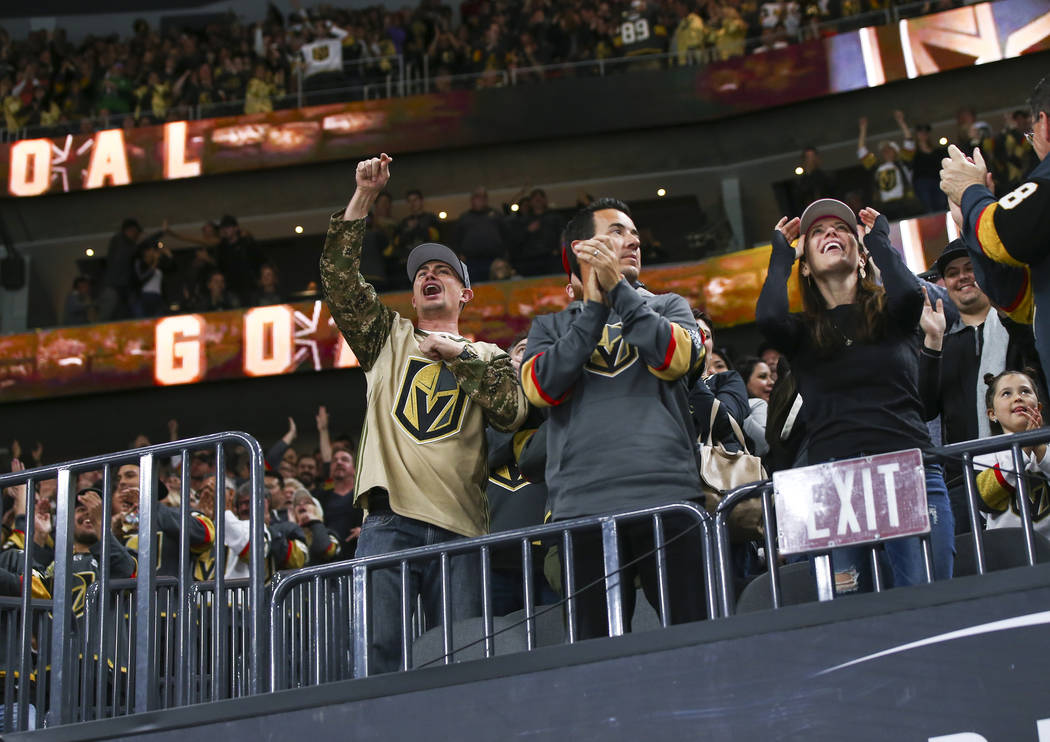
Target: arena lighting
89,252
298,228
513,207
442,215
799,170
661,192
943,141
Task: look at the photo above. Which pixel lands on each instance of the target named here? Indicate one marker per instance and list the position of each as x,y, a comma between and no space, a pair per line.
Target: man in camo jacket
422,461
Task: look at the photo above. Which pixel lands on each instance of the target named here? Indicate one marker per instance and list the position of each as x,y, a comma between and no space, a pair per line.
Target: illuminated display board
873,56
302,338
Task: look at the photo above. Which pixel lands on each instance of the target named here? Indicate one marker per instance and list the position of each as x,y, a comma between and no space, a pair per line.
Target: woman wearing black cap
856,352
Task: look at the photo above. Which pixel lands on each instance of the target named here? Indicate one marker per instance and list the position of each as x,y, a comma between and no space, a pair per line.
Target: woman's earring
863,273
995,419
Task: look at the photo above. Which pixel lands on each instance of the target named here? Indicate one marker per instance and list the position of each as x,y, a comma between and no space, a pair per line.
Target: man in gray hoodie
615,370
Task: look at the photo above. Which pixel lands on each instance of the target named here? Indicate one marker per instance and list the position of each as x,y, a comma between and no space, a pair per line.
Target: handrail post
145,590
613,587
61,625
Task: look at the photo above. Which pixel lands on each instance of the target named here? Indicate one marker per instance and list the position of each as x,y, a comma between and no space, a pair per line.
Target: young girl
1013,405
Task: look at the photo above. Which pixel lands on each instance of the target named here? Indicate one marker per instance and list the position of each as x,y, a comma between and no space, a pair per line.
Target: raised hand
959,172
600,254
322,418
791,229
932,321
292,432
868,216
373,174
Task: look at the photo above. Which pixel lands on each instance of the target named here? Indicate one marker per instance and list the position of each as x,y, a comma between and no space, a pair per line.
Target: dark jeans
508,594
903,556
685,574
383,532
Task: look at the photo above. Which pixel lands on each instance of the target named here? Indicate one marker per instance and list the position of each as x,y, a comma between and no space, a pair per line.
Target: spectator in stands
719,383
238,257
535,247
153,260
624,353
418,227
814,182
1013,230
982,341
268,288
718,360
731,36
80,308
87,545
759,382
341,514
413,493
771,357
261,90
378,248
927,168
273,484
892,173
1014,406
515,502
501,270
1016,158
479,235
322,542
853,353
115,301
215,297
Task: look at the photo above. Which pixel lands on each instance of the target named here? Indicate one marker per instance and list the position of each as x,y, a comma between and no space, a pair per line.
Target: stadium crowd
233,65
877,361
149,274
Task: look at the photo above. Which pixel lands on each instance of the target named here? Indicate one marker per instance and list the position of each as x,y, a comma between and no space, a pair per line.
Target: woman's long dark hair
826,336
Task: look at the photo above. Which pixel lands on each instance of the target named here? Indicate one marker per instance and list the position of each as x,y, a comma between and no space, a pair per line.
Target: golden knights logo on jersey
429,403
1038,498
509,477
320,53
887,178
613,354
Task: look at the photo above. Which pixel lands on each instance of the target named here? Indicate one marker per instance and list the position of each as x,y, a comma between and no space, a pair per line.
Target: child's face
1014,403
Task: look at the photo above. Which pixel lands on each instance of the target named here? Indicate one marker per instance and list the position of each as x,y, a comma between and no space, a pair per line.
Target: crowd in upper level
249,65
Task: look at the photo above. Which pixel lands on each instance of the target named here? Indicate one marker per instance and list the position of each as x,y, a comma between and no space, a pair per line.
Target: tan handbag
722,471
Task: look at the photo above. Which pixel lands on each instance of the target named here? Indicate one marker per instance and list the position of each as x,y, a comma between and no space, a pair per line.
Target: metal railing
23,666
151,620
408,80
957,453
333,644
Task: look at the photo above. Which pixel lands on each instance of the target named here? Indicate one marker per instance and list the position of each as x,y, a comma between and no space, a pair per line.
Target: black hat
954,249
433,251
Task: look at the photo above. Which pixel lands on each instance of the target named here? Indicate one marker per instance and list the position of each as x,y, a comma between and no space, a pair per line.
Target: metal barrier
145,629
958,453
332,602
24,675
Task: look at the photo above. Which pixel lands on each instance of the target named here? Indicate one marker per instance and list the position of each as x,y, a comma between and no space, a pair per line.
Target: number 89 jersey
641,34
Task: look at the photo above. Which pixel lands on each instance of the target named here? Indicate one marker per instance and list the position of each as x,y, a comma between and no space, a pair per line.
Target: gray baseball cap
825,208
434,251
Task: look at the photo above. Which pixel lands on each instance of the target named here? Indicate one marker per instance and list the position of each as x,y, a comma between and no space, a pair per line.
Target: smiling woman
856,354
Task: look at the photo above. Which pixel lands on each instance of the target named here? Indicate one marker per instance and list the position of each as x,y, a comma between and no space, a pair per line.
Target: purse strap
732,423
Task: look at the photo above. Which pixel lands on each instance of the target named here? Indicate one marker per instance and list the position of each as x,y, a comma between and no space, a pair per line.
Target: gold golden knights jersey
424,435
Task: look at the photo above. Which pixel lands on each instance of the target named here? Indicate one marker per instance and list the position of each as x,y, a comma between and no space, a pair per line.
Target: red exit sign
857,501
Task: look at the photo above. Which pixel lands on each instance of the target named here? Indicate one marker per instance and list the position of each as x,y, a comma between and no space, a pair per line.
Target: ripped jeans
903,557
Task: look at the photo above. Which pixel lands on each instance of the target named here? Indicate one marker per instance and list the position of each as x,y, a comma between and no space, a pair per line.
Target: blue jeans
852,564
383,532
